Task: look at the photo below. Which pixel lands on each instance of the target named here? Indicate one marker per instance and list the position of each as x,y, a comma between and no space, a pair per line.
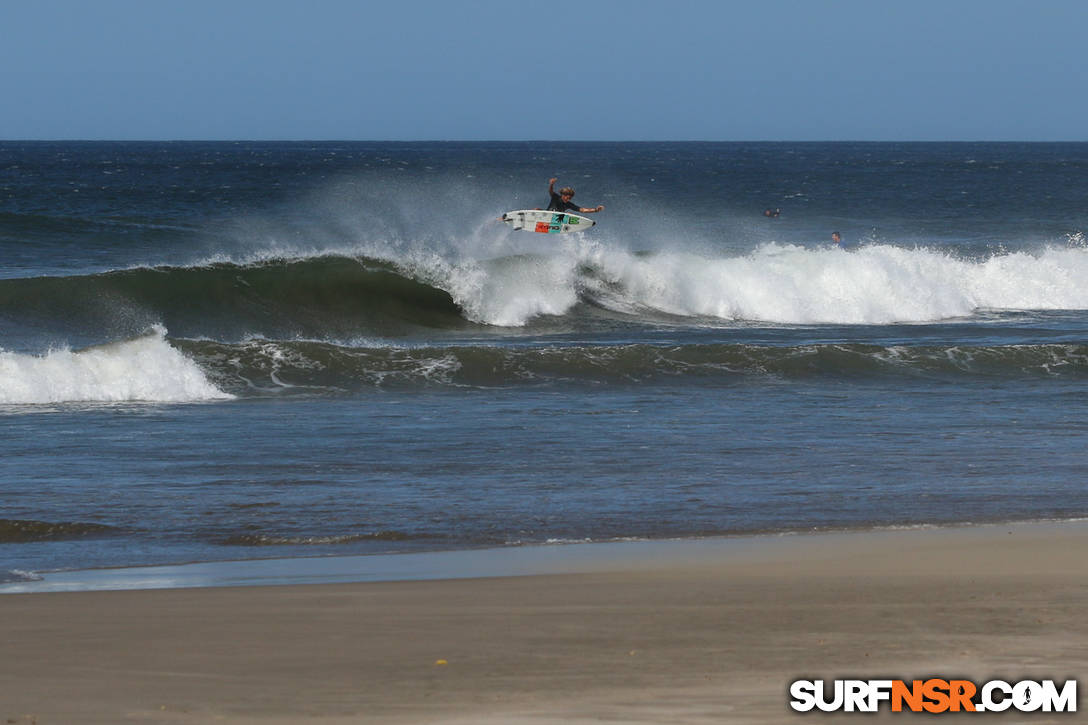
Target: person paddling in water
562,200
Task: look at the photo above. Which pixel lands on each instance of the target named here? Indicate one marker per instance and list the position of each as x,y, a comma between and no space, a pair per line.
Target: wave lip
313,296
145,369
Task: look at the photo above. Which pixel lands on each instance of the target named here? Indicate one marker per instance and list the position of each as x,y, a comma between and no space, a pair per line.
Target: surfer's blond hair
566,190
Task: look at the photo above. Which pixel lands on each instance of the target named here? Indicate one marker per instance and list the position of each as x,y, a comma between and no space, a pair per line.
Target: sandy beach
710,637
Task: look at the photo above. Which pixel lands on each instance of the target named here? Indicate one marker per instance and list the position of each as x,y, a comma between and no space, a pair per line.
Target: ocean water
223,351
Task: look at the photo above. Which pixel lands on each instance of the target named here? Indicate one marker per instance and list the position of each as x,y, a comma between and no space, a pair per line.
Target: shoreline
694,636
484,562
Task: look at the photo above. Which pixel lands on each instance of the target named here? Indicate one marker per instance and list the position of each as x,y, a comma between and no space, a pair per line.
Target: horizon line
520,140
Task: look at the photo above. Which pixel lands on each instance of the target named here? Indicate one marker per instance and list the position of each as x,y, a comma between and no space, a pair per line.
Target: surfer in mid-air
561,215
562,200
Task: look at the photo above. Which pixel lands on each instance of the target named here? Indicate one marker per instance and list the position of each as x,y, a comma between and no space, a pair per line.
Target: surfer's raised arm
562,200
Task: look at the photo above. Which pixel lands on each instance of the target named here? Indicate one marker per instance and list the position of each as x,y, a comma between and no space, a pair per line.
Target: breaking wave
336,296
145,369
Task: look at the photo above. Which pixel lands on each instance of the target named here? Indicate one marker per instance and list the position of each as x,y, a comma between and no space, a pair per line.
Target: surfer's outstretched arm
594,210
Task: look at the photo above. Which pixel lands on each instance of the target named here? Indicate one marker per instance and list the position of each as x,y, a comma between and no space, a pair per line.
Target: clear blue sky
506,69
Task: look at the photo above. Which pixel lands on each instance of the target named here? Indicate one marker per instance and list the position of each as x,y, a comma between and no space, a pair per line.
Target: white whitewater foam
144,369
787,284
18,575
512,291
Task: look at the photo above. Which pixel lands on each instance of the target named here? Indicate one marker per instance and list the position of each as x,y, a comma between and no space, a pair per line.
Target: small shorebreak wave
144,369
22,531
264,367
266,539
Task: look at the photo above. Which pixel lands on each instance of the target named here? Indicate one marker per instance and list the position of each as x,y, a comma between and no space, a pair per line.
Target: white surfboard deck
547,222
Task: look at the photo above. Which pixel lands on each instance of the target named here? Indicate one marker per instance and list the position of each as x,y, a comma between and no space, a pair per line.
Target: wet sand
712,634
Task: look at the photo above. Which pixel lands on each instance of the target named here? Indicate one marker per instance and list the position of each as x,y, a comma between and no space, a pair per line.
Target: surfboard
546,222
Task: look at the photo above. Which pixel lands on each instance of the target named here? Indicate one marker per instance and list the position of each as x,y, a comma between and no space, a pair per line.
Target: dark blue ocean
222,351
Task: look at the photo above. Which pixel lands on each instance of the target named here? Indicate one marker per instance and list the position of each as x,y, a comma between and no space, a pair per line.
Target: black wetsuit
559,205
